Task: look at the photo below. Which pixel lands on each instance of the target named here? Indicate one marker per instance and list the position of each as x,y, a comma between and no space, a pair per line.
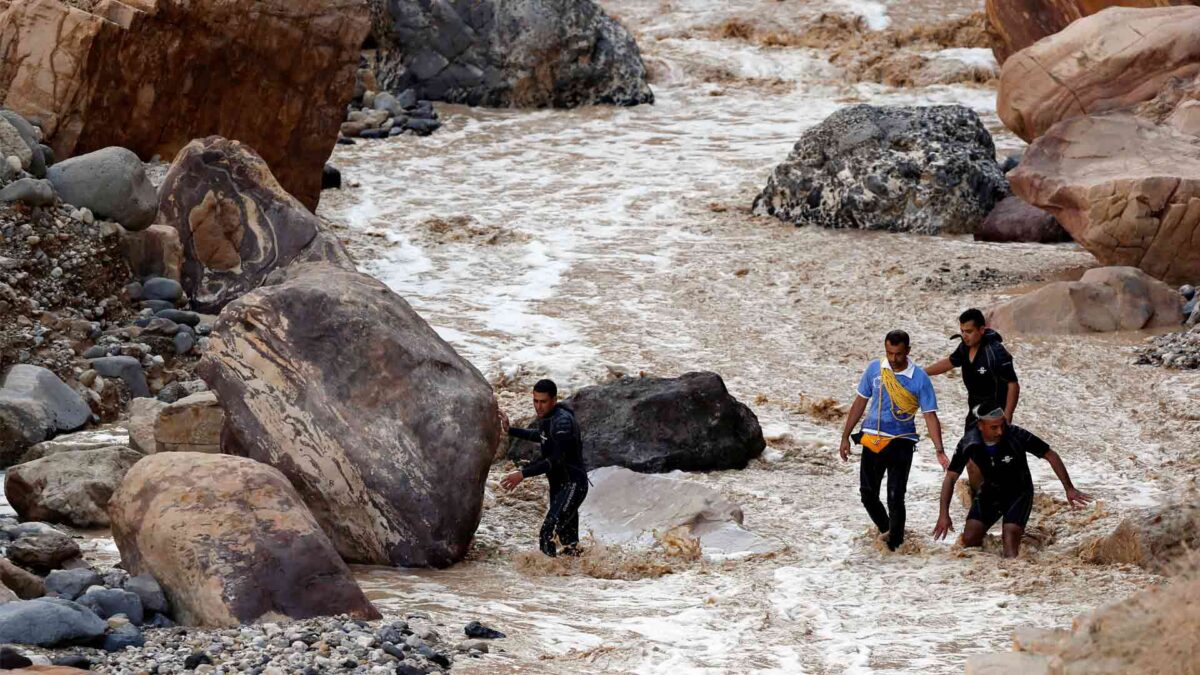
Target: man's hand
844,449
511,480
943,459
944,525
1076,498
504,423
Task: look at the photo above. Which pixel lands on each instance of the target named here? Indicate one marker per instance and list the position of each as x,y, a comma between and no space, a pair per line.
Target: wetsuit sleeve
1004,366
525,434
1030,442
554,450
959,356
962,454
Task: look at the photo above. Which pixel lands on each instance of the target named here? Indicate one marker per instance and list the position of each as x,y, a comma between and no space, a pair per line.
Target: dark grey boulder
35,405
422,127
127,368
184,341
116,578
653,425
111,182
179,316
532,53
43,552
109,602
162,288
32,191
48,622
128,635
71,584
151,594
331,178
927,170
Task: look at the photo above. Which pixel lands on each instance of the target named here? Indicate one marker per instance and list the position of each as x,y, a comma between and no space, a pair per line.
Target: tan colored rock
71,488
230,542
1107,61
191,424
1008,664
25,584
7,595
1106,299
153,252
151,75
1016,24
1125,187
1156,540
143,414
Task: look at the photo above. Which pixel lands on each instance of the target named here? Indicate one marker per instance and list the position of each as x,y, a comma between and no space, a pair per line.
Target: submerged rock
928,170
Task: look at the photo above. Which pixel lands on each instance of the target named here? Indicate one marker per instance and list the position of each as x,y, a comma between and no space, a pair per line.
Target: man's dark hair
897,337
973,316
546,387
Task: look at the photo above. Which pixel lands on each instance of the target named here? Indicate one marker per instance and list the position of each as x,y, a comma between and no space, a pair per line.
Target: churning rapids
576,244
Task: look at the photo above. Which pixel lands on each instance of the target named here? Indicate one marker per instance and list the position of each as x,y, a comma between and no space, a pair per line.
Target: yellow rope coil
904,402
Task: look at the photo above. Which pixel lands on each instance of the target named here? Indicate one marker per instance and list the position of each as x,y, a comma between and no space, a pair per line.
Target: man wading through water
987,373
998,449
891,392
562,462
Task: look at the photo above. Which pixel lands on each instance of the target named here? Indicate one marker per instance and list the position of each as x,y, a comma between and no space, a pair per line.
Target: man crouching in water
998,449
562,462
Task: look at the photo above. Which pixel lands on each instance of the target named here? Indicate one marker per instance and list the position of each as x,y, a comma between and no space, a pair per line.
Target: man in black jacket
562,462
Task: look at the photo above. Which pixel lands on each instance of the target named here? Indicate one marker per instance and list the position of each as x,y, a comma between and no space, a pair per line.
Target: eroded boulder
35,405
1015,221
152,75
111,183
236,223
928,170
1105,299
191,424
371,433
230,542
655,425
71,488
530,53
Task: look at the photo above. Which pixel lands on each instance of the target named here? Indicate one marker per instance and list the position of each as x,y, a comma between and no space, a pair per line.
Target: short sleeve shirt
986,377
1003,465
880,418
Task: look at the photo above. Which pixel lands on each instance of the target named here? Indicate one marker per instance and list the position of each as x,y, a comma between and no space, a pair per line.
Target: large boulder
92,439
24,583
1125,186
72,488
655,425
388,441
111,183
1016,24
191,424
1105,299
143,416
626,507
43,551
1111,60
1013,220
48,622
521,53
152,75
237,224
929,170
230,541
35,405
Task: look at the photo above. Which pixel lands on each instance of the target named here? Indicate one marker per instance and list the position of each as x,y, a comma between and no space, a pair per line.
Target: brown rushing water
572,244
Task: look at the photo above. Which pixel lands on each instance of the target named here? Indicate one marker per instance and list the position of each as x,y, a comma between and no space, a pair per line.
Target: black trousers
895,460
562,519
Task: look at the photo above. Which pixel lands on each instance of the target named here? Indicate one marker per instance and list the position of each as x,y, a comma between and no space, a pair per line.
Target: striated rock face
1124,186
1105,299
1016,24
236,223
928,170
522,53
386,432
230,542
151,75
1113,59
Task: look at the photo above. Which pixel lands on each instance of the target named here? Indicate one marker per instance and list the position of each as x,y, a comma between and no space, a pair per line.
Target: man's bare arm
938,367
852,418
935,433
1010,405
1074,497
944,524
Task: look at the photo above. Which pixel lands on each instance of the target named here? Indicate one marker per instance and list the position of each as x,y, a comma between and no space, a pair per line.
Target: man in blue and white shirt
891,392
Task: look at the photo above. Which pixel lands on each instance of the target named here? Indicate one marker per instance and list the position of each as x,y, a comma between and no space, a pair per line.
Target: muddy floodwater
584,244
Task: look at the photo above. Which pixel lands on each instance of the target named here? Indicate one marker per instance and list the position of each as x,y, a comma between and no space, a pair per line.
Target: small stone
477,645
11,659
1188,291
33,240
476,629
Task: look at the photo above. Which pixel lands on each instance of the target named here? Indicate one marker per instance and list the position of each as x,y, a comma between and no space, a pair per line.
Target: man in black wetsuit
562,462
987,373
998,449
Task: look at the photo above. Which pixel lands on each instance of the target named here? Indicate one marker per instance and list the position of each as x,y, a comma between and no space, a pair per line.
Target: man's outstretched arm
852,418
1074,497
935,433
944,524
1010,404
938,367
